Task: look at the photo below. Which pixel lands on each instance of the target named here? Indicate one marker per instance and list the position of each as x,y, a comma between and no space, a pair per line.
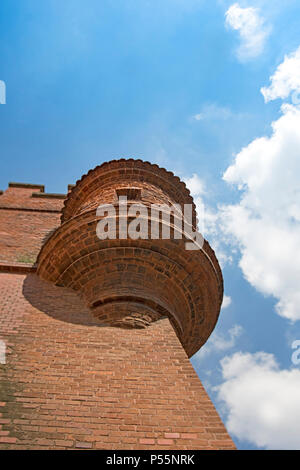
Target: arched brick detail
99,186
126,312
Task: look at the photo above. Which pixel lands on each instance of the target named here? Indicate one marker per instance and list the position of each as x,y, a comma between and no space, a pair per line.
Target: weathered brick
83,445
172,435
74,377
147,441
164,442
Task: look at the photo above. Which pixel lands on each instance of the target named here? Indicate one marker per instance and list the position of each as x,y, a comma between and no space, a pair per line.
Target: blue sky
178,83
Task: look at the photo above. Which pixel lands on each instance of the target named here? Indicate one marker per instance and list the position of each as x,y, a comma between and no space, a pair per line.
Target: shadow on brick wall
58,302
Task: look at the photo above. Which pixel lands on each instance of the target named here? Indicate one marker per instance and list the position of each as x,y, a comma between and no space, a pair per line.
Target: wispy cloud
226,301
262,400
264,225
252,30
195,184
285,80
213,112
219,342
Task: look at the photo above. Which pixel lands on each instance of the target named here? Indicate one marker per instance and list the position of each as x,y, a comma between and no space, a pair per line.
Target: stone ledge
41,187
49,195
29,209
17,268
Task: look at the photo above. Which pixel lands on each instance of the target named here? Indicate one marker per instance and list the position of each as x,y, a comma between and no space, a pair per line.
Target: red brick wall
25,221
70,383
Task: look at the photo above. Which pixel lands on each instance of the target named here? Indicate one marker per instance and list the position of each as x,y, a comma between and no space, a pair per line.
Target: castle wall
27,216
71,383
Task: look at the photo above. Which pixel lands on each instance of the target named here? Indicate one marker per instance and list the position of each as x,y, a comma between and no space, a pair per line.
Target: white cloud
208,220
226,301
252,30
219,342
195,185
265,224
262,400
197,189
213,112
286,78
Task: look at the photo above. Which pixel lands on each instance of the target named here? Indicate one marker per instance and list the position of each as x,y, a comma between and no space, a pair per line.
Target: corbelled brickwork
118,276
98,332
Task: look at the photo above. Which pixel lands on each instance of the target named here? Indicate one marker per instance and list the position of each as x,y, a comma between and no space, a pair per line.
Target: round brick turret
130,283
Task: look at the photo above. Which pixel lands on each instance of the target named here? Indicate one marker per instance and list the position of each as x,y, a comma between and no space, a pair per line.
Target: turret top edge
128,163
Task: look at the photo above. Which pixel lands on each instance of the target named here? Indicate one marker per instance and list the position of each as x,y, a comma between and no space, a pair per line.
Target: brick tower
98,332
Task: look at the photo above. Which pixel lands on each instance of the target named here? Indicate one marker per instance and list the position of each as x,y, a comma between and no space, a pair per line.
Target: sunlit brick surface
160,274
97,354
